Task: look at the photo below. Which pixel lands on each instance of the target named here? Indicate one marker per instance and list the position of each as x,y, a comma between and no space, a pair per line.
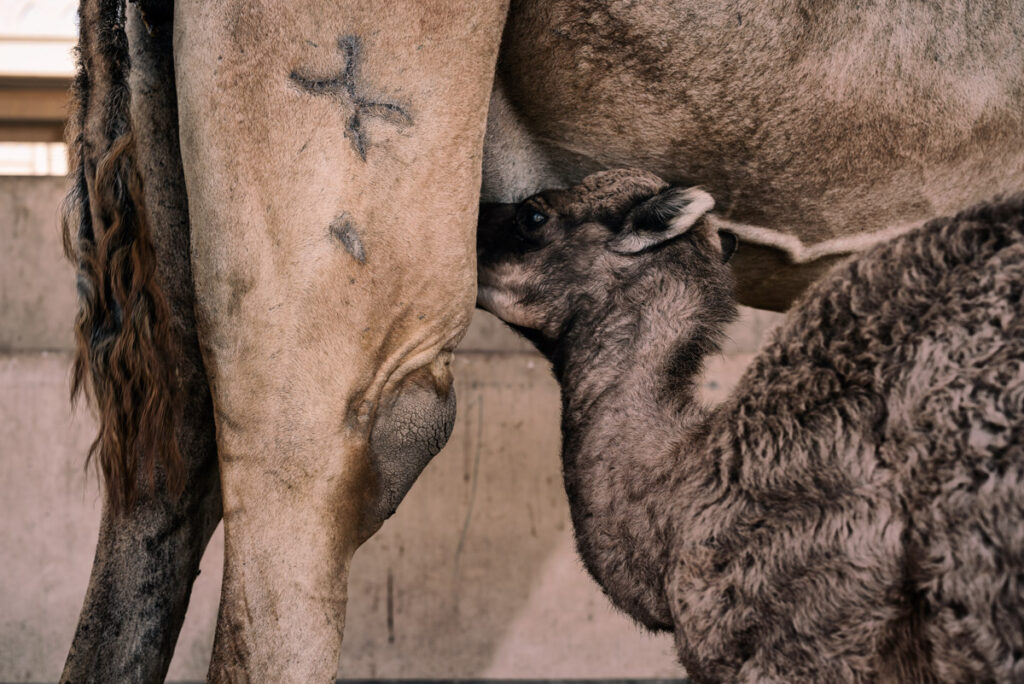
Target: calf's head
612,243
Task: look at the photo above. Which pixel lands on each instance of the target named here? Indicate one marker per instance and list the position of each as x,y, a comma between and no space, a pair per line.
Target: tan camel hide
334,264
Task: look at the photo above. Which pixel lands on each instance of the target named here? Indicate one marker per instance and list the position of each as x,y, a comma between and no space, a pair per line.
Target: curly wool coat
873,462
854,511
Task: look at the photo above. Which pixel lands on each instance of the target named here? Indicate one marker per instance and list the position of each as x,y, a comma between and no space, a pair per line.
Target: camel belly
818,132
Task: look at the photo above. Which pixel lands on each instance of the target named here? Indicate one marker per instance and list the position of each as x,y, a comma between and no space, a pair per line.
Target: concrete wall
475,576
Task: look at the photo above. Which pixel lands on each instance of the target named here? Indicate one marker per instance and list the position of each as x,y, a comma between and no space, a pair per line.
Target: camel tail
124,358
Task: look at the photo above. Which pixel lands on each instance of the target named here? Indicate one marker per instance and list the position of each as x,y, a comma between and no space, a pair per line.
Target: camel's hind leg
147,558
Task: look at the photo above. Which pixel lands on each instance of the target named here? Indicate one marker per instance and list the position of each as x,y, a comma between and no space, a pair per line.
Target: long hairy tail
124,359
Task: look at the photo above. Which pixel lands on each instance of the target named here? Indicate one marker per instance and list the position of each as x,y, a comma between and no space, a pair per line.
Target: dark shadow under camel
854,510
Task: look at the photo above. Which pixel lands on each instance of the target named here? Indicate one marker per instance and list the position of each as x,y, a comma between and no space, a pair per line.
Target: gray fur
853,511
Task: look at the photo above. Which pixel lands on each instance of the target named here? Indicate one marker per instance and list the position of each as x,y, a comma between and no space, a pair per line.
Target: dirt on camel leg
332,156
148,557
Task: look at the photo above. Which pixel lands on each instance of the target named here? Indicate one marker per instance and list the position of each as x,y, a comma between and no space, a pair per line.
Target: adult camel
282,293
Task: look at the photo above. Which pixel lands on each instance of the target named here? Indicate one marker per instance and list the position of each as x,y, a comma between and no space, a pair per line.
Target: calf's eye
530,218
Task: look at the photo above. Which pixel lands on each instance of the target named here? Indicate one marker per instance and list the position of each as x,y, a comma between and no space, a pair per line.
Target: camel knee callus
411,428
850,513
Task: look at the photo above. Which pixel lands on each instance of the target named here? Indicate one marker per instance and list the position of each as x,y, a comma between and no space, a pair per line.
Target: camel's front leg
332,156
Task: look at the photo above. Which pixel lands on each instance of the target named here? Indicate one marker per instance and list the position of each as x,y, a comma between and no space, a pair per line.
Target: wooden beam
29,131
33,104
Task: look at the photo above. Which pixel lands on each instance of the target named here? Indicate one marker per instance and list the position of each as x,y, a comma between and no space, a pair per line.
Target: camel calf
853,511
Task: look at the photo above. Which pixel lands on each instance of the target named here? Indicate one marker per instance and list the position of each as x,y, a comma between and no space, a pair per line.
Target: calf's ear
729,244
661,218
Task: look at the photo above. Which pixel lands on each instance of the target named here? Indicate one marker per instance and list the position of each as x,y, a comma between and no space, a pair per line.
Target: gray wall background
475,576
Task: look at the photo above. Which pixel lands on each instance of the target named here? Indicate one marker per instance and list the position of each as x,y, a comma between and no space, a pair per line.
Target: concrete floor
476,575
